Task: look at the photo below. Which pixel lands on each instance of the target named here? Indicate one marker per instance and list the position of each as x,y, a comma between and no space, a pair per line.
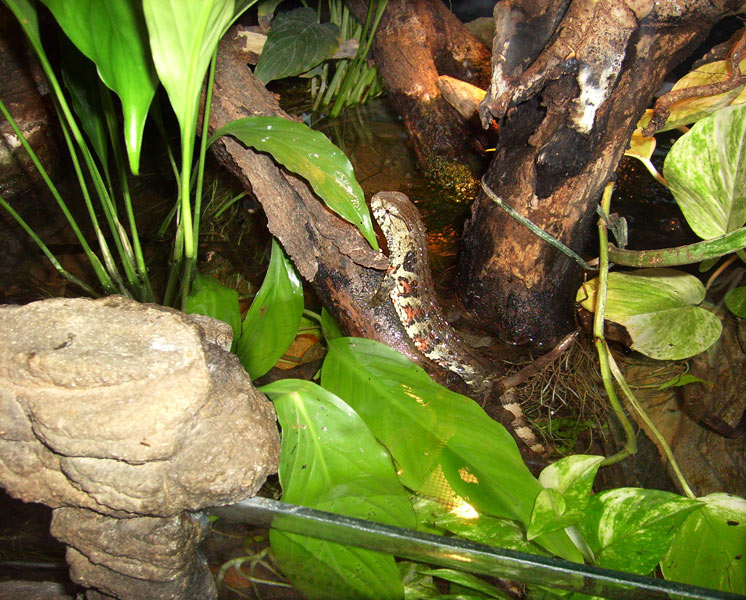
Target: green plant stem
630,445
185,232
226,205
108,259
191,219
109,210
538,231
98,267
189,268
630,397
682,255
42,246
184,246
652,170
369,33
185,214
312,315
203,146
30,26
155,112
358,65
177,257
145,291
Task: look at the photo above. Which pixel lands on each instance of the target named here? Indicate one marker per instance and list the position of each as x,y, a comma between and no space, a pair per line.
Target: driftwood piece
464,97
328,252
566,117
414,44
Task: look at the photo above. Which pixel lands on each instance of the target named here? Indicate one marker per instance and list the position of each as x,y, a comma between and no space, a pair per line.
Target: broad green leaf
266,8
211,298
443,443
630,529
681,381
272,320
265,11
542,593
183,36
428,510
709,549
324,570
693,109
735,300
567,490
550,513
642,148
309,326
296,43
311,155
647,302
331,461
416,585
704,171
573,477
460,596
114,36
707,264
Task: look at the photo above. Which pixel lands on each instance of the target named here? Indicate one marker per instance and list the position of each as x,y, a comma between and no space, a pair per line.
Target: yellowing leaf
705,173
657,308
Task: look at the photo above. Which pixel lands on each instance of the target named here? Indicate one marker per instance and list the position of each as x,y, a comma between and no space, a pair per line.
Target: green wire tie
536,230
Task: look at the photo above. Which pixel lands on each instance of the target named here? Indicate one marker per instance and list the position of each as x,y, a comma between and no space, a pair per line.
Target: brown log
566,118
327,251
417,41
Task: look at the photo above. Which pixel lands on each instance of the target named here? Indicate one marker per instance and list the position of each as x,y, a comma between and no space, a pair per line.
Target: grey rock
150,558
127,418
127,408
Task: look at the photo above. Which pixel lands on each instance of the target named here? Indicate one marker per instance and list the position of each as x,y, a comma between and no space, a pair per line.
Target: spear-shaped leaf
114,36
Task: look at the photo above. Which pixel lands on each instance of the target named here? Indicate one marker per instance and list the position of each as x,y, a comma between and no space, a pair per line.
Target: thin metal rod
460,554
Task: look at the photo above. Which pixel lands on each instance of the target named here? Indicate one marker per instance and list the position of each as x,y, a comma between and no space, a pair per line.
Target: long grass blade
98,267
42,246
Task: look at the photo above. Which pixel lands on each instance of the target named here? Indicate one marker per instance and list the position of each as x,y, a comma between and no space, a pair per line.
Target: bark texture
414,44
568,90
329,252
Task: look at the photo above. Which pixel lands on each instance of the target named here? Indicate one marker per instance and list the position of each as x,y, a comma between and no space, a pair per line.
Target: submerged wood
415,43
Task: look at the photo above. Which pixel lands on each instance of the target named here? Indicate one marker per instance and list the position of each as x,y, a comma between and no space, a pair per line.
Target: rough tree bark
568,94
570,80
415,43
328,252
